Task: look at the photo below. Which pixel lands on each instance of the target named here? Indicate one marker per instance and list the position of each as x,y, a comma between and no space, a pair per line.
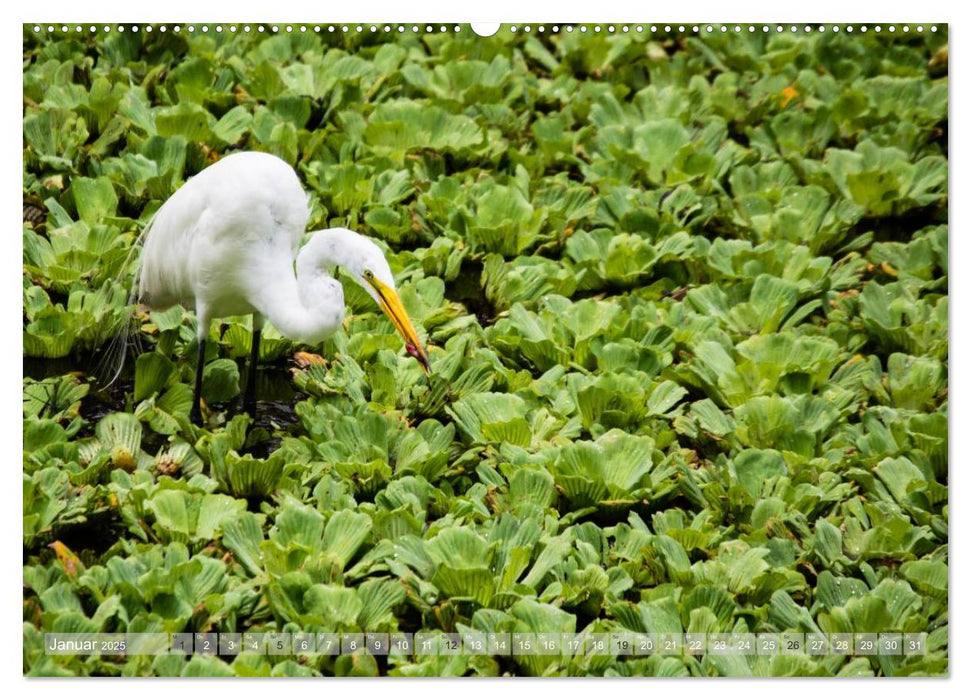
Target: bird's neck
307,307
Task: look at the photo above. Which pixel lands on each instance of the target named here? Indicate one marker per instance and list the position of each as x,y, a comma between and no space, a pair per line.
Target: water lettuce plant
686,303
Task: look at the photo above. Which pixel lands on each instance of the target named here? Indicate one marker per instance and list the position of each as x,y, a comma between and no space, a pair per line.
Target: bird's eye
368,274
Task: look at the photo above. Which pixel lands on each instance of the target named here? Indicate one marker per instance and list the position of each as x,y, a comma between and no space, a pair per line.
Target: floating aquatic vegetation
686,307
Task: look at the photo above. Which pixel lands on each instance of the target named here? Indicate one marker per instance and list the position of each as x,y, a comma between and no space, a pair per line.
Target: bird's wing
165,270
209,235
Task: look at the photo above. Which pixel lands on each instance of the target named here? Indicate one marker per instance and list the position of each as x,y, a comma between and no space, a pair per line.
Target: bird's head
369,268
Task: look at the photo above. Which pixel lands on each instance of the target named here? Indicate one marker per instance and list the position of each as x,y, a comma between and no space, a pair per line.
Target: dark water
42,368
276,398
275,394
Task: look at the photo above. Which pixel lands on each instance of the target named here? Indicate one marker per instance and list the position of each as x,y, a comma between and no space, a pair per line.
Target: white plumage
241,209
226,244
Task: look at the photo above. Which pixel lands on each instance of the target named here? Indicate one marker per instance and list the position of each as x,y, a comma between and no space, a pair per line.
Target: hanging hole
485,29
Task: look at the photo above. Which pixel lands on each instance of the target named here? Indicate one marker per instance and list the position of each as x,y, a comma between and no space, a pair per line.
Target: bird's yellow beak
391,305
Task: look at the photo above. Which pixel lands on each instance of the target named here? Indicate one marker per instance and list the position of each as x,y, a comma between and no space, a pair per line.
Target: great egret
225,245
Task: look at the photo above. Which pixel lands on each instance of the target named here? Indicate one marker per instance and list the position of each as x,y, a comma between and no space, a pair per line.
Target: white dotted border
441,28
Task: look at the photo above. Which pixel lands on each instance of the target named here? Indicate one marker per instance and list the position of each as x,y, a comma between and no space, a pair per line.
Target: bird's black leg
249,398
195,415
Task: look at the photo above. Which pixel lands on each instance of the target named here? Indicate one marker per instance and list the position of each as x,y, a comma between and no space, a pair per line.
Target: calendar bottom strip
481,643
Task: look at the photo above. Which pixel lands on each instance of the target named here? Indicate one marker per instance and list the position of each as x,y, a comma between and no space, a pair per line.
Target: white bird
226,244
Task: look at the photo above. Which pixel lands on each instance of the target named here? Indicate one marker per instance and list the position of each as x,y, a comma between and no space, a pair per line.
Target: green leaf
344,534
489,418
233,125
220,380
152,372
928,577
94,198
754,468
